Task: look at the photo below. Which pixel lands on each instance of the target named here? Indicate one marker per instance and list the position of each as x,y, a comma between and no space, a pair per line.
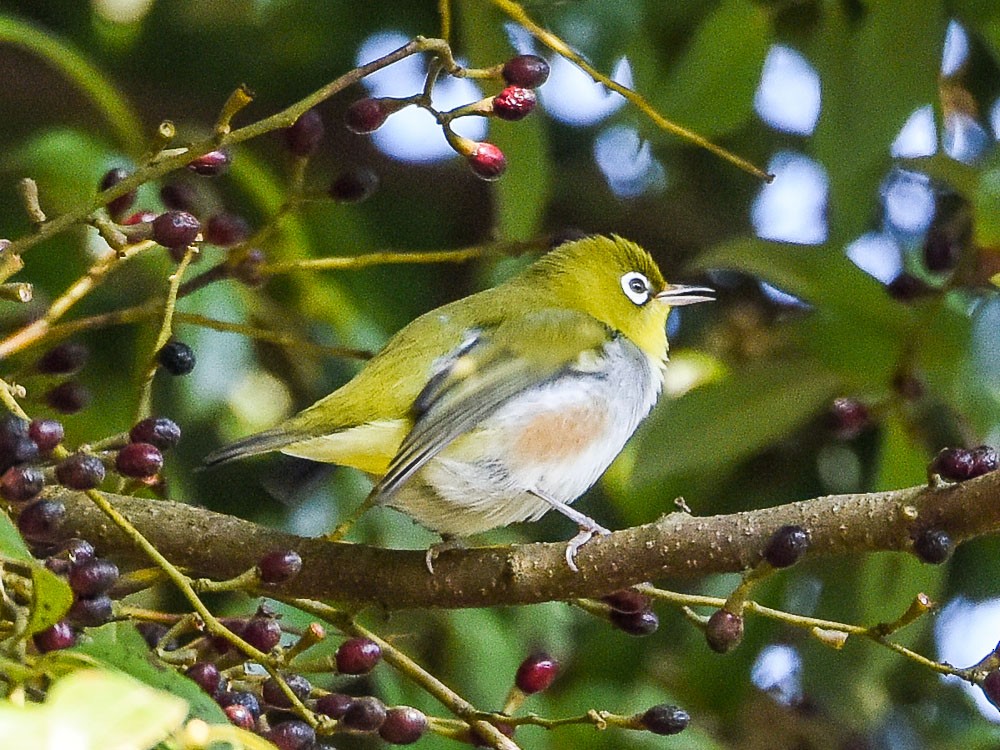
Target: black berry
358,656
365,714
212,163
848,418
41,520
933,546
240,698
263,633
514,103
291,735
159,431
81,471
57,637
644,622
92,577
353,185
175,229
487,161
21,483
536,673
121,204
226,230
366,115
91,612
15,444
529,71
47,434
69,397
305,134
665,719
273,695
279,565
403,725
786,546
206,675
64,359
139,460
176,357
628,601
955,464
334,705
724,631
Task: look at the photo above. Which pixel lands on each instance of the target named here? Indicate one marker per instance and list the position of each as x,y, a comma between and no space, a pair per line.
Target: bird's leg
587,525
448,541
342,528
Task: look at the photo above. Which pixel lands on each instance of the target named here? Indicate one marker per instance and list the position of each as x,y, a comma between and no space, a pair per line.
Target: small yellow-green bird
501,406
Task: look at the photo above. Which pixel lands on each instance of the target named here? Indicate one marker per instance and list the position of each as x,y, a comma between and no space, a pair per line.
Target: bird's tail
262,442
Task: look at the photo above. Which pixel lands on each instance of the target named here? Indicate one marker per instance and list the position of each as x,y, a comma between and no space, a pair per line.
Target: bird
503,405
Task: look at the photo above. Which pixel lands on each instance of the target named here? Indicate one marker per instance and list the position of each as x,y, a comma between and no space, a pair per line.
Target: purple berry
279,565
122,203
644,622
514,103
487,161
226,230
291,735
403,725
175,229
92,577
91,612
242,698
249,269
273,695
41,520
80,471
536,673
334,705
57,637
848,418
941,250
366,115
176,357
665,719
628,601
906,287
991,687
47,434
263,633
786,546
305,134
529,71
180,196
140,460
984,460
159,431
365,714
358,656
724,631
954,464
212,163
21,483
77,551
206,675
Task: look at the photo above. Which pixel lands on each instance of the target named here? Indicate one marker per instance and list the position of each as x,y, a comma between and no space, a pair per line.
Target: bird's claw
583,536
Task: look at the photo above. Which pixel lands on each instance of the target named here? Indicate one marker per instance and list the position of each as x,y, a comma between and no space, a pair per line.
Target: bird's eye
636,287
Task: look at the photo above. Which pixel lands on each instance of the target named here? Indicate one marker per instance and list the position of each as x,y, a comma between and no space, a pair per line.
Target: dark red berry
212,163
487,161
644,622
353,185
305,134
91,612
786,546
206,675
159,431
279,565
240,716
933,546
139,460
263,633
365,714
665,719
92,577
514,103
175,229
69,397
628,601
122,203
21,483
47,434
176,357
906,287
991,687
536,673
240,698
724,631
41,520
358,656
334,705
529,71
226,230
273,695
403,725
954,464
984,460
57,637
941,249
291,735
67,358
848,418
81,471
366,115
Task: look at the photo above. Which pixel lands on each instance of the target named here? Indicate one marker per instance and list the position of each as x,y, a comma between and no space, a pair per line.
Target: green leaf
51,598
12,546
986,209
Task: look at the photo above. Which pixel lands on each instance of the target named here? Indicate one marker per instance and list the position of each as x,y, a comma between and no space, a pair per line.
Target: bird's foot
585,534
446,543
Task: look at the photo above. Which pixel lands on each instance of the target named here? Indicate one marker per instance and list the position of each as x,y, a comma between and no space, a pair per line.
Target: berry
334,705
305,134
514,103
403,725
724,631
529,71
353,185
180,196
644,622
991,687
226,230
175,229
69,397
665,719
91,611
47,434
240,698
358,656
628,601
536,673
941,250
92,577
77,551
212,163
248,269
366,115
786,546
240,716
139,217
40,521
291,735
906,287
21,483
365,714
122,203
263,633
848,418
81,471
487,161
64,359
933,546
273,695
984,460
159,431
57,637
139,460
176,357
152,633
279,565
206,675
954,464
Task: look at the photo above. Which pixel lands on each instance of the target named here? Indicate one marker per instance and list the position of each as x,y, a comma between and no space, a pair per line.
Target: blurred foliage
752,433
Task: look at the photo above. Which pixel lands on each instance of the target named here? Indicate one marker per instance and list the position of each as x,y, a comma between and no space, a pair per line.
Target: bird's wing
490,367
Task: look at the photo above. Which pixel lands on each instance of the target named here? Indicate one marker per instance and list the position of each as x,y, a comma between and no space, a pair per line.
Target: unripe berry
159,431
786,546
536,673
280,565
212,163
21,483
69,397
175,229
305,134
273,695
724,631
206,675
665,719
403,725
92,577
47,434
644,622
41,520
514,103
933,546
529,71
353,185
139,460
954,464
358,656
81,471
291,735
67,358
226,230
334,705
487,161
176,357
122,203
366,115
57,637
365,714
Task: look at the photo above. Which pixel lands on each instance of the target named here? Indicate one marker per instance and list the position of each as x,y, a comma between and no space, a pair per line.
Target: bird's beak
676,295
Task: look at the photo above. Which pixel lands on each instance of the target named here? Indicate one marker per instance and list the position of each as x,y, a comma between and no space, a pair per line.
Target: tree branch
677,545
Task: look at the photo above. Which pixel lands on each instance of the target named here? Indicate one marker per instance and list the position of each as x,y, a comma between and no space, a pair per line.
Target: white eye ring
636,287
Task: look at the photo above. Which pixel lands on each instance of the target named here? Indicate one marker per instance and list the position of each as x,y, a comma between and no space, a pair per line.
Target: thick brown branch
677,545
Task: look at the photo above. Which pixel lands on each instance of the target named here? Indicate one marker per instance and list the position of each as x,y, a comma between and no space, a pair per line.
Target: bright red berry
514,103
536,673
212,163
487,161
